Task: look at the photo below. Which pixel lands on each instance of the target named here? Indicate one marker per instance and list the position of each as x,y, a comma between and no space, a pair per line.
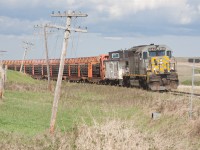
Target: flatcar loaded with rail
147,66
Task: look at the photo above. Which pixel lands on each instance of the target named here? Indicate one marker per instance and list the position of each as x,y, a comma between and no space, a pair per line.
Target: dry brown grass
121,119
172,131
26,87
112,135
44,141
195,128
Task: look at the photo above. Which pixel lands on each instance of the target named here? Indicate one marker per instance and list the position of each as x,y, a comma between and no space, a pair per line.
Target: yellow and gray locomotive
148,66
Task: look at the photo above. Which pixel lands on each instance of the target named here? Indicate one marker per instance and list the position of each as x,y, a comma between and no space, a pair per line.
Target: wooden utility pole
47,58
26,47
2,80
46,53
67,29
3,77
192,93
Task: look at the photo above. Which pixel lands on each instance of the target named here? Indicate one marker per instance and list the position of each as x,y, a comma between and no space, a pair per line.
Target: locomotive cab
153,67
160,61
161,70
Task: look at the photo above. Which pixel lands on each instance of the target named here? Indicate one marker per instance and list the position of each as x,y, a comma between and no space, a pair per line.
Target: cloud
114,17
113,38
178,11
150,17
121,24
37,3
12,26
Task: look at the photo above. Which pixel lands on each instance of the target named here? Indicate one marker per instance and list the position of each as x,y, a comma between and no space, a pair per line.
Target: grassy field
94,117
185,73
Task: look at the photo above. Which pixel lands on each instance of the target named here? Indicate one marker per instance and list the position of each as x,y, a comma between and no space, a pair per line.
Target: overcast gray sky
112,25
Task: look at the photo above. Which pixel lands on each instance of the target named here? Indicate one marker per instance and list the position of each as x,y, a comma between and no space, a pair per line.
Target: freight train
147,66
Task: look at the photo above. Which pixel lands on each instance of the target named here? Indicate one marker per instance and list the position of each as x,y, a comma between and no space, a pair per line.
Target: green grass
25,110
18,77
189,82
28,111
197,71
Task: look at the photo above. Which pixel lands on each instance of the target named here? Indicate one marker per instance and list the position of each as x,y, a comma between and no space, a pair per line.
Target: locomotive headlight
161,62
172,69
148,69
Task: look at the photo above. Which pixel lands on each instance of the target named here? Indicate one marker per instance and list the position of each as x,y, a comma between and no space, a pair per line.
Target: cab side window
144,55
169,53
115,55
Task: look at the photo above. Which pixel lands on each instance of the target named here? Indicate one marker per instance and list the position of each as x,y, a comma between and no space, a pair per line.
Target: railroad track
181,93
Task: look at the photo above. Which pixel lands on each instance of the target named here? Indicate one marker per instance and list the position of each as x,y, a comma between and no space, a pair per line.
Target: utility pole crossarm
38,26
42,27
77,30
28,43
65,14
64,28
56,26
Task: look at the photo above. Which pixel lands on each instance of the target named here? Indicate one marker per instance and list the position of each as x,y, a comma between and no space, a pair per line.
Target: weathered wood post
5,70
1,88
2,80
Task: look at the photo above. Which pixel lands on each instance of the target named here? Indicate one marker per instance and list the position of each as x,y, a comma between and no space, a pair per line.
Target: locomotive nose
160,64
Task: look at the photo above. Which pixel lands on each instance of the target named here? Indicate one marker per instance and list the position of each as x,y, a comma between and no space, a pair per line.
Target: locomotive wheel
154,86
173,84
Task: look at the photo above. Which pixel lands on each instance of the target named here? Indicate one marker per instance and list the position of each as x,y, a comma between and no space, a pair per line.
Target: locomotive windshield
169,53
157,53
